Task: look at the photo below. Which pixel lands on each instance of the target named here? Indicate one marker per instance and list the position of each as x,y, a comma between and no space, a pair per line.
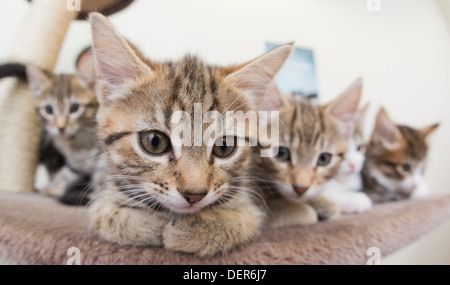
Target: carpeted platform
39,230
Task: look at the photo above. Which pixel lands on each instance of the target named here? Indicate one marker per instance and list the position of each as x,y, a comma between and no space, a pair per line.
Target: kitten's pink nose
352,165
193,197
300,189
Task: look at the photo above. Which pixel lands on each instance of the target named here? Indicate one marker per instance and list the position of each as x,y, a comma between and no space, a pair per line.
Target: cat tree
38,230
38,43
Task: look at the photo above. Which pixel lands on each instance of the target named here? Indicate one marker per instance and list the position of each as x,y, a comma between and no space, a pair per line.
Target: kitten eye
222,149
324,159
361,147
406,167
49,109
74,107
283,154
155,142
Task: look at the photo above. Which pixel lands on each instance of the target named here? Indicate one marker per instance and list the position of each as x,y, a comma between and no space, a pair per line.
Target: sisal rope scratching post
38,43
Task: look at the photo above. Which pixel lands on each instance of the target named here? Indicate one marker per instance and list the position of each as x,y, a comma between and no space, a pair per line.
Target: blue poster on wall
298,74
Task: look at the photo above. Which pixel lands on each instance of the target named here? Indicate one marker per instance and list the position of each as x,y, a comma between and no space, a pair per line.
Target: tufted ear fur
386,133
116,63
343,109
38,80
256,77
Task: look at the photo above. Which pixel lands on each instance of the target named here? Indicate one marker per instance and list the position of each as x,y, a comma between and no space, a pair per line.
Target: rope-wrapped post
38,43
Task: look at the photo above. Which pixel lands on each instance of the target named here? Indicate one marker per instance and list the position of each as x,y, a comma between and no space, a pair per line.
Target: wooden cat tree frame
38,230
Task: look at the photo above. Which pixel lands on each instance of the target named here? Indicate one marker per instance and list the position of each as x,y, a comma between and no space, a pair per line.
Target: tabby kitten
67,107
395,161
154,191
313,141
345,188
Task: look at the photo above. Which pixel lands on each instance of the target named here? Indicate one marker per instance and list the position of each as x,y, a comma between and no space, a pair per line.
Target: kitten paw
325,209
420,192
357,203
127,226
214,231
286,213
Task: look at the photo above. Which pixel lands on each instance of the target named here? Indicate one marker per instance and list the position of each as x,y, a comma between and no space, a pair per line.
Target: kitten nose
193,197
61,129
300,189
352,165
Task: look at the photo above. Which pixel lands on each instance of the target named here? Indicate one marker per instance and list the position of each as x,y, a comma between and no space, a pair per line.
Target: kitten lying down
313,141
345,188
395,161
154,190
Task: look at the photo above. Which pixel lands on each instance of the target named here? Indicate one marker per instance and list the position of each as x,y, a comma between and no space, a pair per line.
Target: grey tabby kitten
67,107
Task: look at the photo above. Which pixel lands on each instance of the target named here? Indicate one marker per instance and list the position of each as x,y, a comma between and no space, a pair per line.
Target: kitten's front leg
326,210
126,226
286,213
214,230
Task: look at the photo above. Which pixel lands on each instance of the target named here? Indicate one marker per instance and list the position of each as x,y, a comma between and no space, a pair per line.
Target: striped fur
140,194
307,131
72,134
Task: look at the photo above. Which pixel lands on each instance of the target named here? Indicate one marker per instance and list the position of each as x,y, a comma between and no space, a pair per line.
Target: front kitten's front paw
326,210
126,226
212,231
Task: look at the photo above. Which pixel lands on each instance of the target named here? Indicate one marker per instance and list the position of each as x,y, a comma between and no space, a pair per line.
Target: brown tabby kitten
313,141
395,161
154,191
67,107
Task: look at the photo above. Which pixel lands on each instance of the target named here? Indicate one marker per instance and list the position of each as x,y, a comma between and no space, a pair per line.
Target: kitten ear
386,132
344,107
37,80
116,63
425,132
256,77
86,69
272,98
361,115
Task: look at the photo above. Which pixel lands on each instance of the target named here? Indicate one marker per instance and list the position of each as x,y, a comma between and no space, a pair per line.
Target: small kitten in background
67,107
345,188
313,141
395,161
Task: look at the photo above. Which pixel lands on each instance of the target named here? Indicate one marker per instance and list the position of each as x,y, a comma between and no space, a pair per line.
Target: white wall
402,52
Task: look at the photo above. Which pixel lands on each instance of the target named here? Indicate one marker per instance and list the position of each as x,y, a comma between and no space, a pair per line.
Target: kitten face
139,99
66,103
397,154
175,176
313,141
64,114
